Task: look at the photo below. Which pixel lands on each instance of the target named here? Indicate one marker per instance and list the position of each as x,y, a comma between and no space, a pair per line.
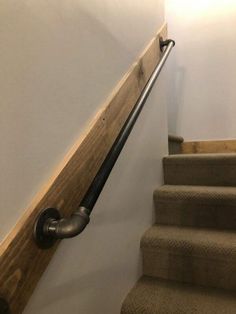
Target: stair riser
216,271
207,173
174,148
197,213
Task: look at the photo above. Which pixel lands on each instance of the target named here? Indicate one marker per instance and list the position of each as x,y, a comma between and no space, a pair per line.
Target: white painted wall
202,93
59,60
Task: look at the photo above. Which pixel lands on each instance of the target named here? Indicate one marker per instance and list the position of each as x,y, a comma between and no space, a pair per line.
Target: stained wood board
22,263
205,147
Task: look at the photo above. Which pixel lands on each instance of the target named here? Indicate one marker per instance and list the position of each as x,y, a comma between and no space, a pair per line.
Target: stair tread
175,138
210,156
157,296
183,191
196,159
190,240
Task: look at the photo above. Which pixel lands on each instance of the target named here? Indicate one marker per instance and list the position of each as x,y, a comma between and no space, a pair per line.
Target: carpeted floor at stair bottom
189,255
159,296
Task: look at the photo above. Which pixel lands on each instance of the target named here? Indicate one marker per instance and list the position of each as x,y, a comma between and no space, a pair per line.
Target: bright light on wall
202,7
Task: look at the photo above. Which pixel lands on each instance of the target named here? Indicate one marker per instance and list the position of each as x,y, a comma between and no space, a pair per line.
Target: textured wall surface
203,71
59,61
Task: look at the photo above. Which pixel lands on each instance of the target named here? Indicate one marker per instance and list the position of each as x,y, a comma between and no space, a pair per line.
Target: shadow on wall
203,30
46,91
87,291
175,97
82,287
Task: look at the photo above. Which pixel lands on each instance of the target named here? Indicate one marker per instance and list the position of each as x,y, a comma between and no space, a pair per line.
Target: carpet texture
196,206
197,256
200,169
189,255
174,144
155,296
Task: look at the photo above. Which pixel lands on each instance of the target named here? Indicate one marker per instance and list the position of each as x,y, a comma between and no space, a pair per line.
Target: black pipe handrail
50,226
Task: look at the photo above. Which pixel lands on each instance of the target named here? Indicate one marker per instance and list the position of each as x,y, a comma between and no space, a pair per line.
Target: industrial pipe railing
50,226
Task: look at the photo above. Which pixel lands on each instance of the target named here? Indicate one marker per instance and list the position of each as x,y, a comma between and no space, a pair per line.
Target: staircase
189,255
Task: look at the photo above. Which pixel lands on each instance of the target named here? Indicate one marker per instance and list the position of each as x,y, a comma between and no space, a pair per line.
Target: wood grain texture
22,263
204,147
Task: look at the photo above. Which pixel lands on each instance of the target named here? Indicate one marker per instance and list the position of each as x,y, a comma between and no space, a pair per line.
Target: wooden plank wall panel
205,147
22,263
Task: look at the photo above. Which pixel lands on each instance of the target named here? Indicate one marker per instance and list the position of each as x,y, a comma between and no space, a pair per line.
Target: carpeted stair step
196,206
174,143
204,257
200,169
155,296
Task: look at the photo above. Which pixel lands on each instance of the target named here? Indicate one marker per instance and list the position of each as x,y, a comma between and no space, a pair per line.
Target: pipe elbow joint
164,43
69,227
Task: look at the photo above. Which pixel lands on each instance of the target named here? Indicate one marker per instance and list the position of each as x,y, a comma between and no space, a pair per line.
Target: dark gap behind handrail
49,226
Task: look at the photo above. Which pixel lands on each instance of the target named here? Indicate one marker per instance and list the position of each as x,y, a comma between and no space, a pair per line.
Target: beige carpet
200,169
189,255
156,296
